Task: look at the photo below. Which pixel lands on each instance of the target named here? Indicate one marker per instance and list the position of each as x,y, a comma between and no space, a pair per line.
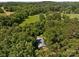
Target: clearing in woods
35,18
29,20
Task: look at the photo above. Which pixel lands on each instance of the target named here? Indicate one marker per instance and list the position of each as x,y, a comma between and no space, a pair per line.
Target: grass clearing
31,19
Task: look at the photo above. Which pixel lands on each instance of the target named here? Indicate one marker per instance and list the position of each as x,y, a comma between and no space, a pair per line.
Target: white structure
40,42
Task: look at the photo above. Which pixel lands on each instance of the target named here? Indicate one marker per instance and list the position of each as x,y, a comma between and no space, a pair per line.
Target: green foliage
56,22
1,11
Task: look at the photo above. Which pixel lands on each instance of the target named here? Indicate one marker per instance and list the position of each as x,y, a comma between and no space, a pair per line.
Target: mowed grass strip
31,19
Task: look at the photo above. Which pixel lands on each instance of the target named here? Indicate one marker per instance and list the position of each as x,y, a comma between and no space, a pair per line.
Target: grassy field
73,15
31,19
35,18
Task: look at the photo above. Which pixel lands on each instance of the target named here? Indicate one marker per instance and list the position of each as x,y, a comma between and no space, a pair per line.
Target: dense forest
56,22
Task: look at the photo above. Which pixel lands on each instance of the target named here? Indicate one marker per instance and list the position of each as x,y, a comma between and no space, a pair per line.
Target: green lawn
31,19
73,15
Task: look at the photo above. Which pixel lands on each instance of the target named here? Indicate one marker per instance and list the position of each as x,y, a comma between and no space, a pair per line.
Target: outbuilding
40,42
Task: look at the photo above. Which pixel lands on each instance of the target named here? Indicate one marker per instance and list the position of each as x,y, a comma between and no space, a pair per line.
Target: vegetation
56,22
73,15
31,19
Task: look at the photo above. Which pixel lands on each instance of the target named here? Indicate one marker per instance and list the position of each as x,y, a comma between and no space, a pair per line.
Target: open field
31,19
35,18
